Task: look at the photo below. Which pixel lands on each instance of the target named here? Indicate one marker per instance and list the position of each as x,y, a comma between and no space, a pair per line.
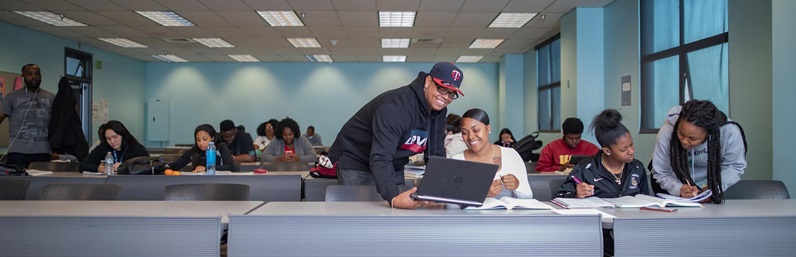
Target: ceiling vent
179,40
425,42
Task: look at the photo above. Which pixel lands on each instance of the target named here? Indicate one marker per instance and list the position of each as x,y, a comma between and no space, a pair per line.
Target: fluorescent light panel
511,20
123,42
50,18
486,43
319,58
469,58
243,58
393,58
396,19
213,42
304,42
394,43
166,18
281,18
169,58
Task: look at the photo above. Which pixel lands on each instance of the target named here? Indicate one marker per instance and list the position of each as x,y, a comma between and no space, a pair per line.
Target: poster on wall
626,90
99,112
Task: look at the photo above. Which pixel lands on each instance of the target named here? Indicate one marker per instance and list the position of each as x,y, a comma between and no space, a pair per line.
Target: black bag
11,170
143,165
527,145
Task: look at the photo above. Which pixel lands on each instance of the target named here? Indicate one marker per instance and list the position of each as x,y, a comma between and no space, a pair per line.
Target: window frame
549,87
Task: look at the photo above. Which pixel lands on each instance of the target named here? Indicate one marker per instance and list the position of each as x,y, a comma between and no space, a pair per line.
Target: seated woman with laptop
204,134
511,178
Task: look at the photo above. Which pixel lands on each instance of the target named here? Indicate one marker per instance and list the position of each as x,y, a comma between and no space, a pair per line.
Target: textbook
509,203
701,196
642,200
582,203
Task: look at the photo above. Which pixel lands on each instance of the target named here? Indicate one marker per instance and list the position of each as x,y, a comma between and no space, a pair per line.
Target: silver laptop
459,182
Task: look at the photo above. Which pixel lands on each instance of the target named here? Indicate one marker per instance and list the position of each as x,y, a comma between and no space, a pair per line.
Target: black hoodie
592,172
381,136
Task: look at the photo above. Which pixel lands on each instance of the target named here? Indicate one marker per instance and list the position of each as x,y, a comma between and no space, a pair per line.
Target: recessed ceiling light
166,18
304,42
280,18
123,42
394,43
319,58
169,58
396,19
393,58
243,58
486,43
214,42
469,58
50,18
511,20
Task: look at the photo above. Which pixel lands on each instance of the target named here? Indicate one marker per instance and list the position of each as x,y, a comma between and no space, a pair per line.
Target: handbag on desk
143,165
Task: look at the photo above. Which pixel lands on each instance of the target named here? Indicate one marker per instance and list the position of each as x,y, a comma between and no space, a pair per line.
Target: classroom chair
530,167
206,192
351,193
554,185
55,166
13,189
757,189
80,192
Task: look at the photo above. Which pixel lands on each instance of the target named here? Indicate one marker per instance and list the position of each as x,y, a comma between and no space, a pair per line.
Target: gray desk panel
110,236
262,188
540,184
315,188
37,182
373,229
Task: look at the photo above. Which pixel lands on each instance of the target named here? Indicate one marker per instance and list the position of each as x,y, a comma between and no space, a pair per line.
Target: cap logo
456,75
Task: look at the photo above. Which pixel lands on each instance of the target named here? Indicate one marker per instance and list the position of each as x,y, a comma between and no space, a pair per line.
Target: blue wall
784,89
321,94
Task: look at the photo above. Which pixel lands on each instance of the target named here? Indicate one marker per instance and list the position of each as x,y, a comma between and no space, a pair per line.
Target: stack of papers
33,172
642,200
701,196
582,203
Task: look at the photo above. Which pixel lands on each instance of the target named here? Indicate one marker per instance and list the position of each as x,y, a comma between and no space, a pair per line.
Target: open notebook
510,203
701,196
642,200
582,203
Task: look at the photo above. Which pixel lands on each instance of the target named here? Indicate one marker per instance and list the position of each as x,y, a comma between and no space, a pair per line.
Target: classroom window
548,70
684,55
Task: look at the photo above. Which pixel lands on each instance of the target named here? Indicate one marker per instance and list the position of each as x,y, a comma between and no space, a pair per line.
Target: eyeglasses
443,90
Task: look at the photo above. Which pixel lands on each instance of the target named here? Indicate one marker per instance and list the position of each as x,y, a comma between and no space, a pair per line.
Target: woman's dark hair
120,129
453,123
287,122
477,114
506,131
705,115
206,128
608,127
261,129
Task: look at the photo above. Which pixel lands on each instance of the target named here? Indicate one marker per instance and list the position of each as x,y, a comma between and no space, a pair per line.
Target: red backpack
323,172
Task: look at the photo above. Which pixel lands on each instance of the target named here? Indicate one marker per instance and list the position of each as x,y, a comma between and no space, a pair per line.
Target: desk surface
127,208
730,209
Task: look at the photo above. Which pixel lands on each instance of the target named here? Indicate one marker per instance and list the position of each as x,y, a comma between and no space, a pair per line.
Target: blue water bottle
210,155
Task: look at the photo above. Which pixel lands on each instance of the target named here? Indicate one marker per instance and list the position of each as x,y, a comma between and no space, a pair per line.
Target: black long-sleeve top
97,156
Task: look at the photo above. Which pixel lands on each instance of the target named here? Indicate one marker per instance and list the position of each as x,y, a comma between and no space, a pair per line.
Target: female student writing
511,178
699,148
288,145
613,172
204,134
114,138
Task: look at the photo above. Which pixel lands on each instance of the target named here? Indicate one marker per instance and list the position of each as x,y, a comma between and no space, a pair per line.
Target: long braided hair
705,115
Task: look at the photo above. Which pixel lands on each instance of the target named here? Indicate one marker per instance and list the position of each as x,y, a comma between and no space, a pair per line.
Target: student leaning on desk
613,172
699,148
511,179
375,144
204,134
116,139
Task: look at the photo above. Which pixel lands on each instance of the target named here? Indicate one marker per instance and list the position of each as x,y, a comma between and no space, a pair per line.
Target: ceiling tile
17,19
368,51
438,58
193,32
140,5
56,31
14,5
429,32
365,43
562,6
441,6
470,33
242,18
448,51
321,18
152,42
496,33
183,5
361,32
129,18
419,58
91,32
529,33
474,19
343,51
293,32
344,58
55,6
226,5
90,18
369,58
513,44
256,32
354,5
159,31
551,20
434,19
204,18
456,43
311,5
395,32
358,19
272,5
392,5
328,32
484,5
535,6
97,5
123,31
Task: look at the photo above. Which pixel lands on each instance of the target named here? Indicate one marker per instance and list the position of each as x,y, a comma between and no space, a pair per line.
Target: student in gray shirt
315,138
28,110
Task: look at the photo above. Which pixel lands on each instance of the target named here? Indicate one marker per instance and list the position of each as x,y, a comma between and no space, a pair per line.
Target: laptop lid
578,158
456,181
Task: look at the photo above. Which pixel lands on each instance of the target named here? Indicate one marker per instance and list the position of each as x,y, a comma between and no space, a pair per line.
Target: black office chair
206,192
80,192
554,185
285,166
55,166
13,189
530,167
757,189
350,193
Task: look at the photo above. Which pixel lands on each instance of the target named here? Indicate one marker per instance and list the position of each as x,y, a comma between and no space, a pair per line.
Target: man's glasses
442,90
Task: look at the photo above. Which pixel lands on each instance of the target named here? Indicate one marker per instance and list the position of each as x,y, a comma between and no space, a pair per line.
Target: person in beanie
375,144
570,144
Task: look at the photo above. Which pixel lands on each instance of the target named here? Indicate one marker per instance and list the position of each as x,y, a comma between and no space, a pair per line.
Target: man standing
29,111
315,138
240,143
375,144
570,144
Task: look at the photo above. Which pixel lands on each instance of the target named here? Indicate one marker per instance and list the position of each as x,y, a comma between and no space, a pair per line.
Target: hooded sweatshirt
381,136
733,157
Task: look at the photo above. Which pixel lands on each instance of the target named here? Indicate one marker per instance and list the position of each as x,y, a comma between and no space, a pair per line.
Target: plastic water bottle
109,164
210,155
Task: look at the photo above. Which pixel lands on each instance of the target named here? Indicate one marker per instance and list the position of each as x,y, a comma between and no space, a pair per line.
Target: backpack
322,172
143,165
527,145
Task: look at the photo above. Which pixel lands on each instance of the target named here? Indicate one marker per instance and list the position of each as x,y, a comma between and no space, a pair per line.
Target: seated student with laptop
511,178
